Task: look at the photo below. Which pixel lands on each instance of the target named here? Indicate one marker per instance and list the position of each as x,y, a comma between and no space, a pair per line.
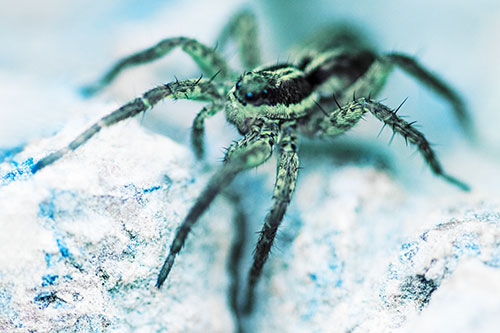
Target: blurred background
50,49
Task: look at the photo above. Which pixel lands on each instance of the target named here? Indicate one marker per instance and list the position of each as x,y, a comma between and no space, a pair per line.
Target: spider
271,106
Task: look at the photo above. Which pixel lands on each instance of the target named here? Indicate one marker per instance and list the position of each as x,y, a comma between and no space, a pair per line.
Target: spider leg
250,151
288,166
202,90
198,129
412,67
238,243
243,28
322,123
410,134
209,60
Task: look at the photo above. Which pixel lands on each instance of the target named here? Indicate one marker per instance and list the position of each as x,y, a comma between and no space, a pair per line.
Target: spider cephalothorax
273,105
277,92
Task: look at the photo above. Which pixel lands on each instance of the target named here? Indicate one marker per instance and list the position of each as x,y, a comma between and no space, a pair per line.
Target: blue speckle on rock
467,245
49,279
21,169
408,251
495,262
62,248
152,189
46,209
59,203
7,309
48,256
45,298
7,153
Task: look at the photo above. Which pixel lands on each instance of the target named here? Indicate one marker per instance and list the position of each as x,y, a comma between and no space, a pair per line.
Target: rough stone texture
82,240
353,258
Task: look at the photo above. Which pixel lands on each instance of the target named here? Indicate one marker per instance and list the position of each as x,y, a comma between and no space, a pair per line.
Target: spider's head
248,99
255,88
271,92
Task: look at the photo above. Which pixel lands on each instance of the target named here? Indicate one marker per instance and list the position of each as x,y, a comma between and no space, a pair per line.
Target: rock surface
84,238
358,254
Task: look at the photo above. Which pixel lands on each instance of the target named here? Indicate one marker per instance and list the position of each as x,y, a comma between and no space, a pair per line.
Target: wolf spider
272,105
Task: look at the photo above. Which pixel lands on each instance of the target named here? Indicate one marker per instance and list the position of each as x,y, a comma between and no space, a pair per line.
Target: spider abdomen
336,70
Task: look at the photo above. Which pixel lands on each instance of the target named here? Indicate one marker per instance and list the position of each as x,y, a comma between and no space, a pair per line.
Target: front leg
251,151
286,177
201,90
411,135
209,60
240,223
198,129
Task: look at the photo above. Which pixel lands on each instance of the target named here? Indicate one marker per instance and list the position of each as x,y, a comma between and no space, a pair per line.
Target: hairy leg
409,133
250,151
238,243
411,66
198,129
210,62
243,28
323,123
288,166
202,90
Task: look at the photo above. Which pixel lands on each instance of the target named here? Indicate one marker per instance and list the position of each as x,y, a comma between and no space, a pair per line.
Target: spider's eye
238,84
249,95
265,91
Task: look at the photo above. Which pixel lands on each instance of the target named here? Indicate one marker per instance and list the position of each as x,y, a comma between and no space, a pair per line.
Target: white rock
351,264
83,240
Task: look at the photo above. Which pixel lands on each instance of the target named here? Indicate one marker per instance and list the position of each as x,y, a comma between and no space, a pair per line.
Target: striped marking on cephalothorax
277,85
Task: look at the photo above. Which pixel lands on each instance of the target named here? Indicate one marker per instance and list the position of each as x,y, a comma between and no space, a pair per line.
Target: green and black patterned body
326,71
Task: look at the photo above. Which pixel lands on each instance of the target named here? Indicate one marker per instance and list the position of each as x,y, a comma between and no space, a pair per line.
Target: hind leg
411,66
243,29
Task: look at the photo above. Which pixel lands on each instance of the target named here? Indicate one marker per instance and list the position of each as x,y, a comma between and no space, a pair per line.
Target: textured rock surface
84,238
360,255
82,241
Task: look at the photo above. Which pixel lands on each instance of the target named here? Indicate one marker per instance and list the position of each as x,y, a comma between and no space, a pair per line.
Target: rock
83,239
351,260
